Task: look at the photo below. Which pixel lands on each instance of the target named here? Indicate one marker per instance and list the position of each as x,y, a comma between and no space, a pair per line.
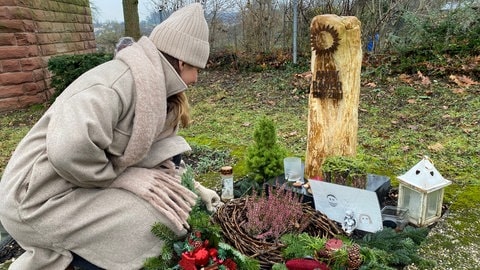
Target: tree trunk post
334,91
131,19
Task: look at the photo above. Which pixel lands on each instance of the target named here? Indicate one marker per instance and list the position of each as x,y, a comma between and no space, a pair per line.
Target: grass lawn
401,119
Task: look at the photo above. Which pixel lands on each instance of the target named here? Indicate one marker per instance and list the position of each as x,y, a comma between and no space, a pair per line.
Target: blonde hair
178,103
179,106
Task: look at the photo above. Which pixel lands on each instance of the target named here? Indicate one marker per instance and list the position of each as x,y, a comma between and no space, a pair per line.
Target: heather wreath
271,215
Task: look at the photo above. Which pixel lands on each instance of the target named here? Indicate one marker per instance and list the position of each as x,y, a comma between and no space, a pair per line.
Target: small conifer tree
265,156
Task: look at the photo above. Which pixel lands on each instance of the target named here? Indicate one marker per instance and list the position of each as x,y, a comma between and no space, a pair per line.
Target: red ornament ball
201,257
334,244
305,264
213,252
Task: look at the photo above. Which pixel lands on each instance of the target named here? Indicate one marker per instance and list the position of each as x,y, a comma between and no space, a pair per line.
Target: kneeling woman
96,172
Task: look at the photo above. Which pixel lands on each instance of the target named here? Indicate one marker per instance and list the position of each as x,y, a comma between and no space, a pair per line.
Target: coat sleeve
80,130
163,150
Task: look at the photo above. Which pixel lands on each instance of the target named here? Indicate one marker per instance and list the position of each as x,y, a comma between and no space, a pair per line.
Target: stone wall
32,31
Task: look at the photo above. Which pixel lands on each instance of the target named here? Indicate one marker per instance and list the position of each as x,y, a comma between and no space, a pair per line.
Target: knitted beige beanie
184,35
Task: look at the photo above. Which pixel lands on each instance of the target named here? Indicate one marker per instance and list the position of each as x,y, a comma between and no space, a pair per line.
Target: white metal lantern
421,192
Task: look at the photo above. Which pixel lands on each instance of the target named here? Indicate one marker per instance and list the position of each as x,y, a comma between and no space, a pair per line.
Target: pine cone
324,254
354,257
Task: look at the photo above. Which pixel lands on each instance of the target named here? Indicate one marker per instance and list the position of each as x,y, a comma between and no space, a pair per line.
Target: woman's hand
161,190
209,197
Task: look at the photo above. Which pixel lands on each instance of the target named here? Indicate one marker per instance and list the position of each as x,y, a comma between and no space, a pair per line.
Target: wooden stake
335,90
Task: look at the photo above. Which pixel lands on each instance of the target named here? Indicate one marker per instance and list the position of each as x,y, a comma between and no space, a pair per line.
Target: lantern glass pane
412,201
433,203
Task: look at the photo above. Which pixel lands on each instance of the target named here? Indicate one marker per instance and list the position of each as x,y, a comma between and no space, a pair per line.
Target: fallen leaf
291,134
436,147
306,75
467,130
462,81
405,78
424,80
371,84
246,124
271,102
411,101
458,91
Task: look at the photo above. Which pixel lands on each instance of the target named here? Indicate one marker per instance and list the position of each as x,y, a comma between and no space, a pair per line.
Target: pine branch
163,232
243,261
402,247
301,245
188,178
165,260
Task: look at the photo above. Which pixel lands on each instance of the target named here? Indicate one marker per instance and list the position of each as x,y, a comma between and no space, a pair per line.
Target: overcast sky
111,10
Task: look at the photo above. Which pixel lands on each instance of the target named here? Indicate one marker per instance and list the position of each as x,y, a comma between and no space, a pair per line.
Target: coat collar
173,81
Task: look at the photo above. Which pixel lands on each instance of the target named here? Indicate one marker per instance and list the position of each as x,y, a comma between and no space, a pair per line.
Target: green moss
13,127
466,198
240,169
211,180
405,92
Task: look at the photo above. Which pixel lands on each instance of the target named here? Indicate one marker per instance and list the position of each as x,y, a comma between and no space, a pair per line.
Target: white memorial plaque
335,200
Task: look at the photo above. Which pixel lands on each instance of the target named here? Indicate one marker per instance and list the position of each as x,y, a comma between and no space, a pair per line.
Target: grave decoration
345,170
334,91
421,191
202,248
275,230
254,224
353,208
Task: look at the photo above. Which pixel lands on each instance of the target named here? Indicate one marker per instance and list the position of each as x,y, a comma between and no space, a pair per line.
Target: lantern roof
424,176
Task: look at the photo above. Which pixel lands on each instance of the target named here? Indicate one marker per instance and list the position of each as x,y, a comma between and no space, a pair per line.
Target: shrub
265,156
347,171
270,216
436,36
67,68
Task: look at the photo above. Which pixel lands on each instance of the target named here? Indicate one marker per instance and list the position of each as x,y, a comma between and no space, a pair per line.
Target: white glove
209,197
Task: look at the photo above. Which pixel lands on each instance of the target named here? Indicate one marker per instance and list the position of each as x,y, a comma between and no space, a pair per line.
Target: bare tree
261,22
108,36
219,14
131,18
95,12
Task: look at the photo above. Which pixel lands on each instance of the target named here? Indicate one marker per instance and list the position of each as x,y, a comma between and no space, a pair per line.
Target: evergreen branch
188,178
165,260
401,247
301,245
161,231
243,261
279,266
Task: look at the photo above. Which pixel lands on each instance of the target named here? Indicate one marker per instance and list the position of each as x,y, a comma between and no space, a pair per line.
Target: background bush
435,38
66,68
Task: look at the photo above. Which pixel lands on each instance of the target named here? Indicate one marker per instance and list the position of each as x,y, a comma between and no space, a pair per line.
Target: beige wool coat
54,195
